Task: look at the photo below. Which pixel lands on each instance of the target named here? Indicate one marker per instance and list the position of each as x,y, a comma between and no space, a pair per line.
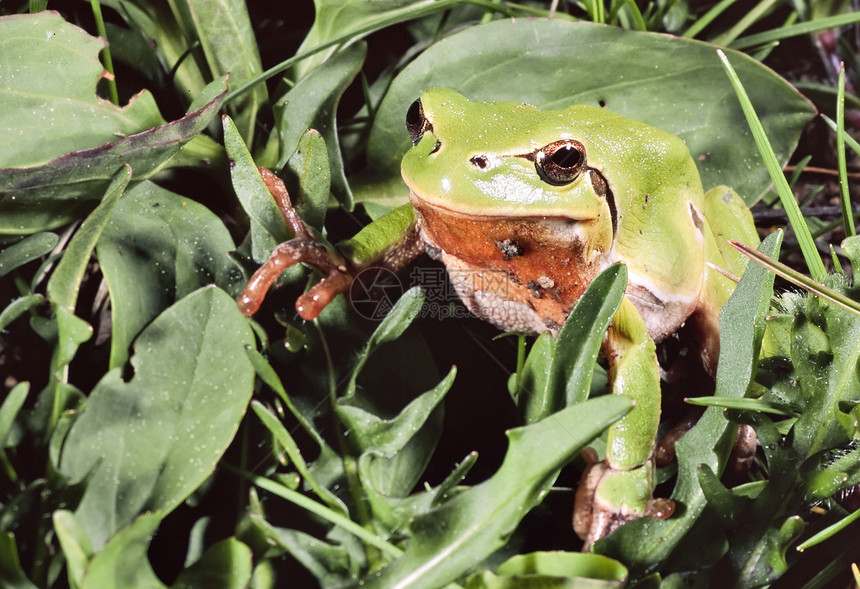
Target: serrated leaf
148,443
447,541
667,82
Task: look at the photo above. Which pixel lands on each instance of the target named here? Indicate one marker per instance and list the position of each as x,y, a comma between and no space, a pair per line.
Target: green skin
637,199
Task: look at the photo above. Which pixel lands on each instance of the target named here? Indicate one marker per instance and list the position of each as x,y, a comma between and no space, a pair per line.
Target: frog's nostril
436,147
480,161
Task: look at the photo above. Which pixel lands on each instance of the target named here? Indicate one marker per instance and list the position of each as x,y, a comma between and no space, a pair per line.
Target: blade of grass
803,28
317,509
707,18
758,11
804,239
100,27
799,279
829,531
845,199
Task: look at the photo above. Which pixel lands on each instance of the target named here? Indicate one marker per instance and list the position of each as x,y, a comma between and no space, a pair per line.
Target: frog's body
525,208
637,199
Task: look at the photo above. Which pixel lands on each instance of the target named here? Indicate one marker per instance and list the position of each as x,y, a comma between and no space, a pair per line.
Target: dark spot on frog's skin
433,252
509,248
697,218
551,325
601,103
535,288
647,198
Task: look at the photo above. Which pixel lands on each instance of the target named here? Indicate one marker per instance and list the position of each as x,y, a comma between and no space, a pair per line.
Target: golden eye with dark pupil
416,122
560,162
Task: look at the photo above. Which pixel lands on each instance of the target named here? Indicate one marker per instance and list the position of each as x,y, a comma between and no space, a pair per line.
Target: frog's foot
338,277
608,498
304,248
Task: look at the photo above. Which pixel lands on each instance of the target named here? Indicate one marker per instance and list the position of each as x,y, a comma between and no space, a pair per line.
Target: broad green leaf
644,543
146,444
26,250
398,450
66,279
226,565
312,103
47,195
48,104
448,541
157,248
216,21
124,562
667,82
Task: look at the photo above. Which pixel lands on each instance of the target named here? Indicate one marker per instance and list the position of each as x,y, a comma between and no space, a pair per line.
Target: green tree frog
547,200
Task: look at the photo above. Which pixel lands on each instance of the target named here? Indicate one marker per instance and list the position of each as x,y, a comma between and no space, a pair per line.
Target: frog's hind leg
620,489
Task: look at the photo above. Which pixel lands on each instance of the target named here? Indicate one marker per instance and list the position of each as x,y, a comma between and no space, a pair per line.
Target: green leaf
312,103
286,441
268,227
9,409
28,249
75,544
123,562
46,195
226,565
561,376
310,171
11,574
224,30
157,248
148,443
449,540
553,570
51,110
667,82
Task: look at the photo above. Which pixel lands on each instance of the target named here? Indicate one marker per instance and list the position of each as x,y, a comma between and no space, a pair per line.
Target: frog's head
505,160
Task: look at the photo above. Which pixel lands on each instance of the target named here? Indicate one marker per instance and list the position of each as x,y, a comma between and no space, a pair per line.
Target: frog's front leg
389,242
619,489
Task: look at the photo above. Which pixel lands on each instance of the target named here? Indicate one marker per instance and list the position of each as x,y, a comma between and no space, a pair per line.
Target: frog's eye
560,162
416,122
